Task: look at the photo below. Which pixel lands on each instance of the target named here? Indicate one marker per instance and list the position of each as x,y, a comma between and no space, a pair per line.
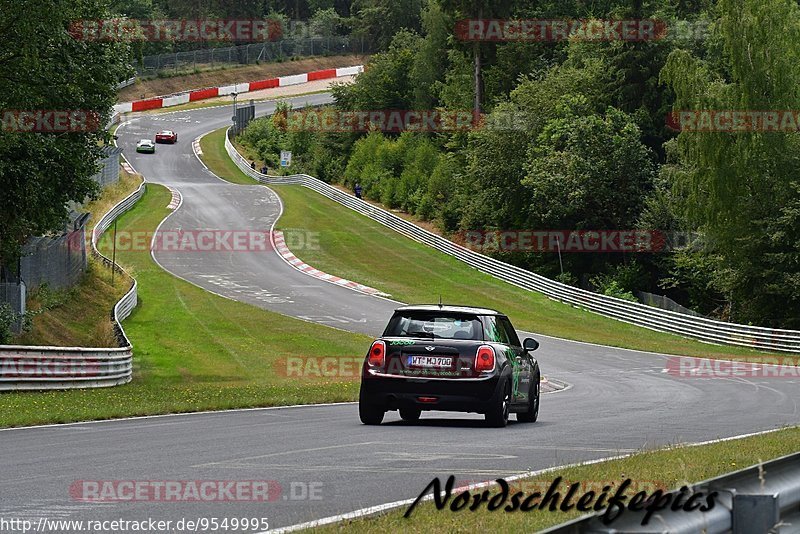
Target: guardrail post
755,513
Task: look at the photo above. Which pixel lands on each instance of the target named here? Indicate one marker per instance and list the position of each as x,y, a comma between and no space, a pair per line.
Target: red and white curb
176,199
297,263
238,88
128,168
196,147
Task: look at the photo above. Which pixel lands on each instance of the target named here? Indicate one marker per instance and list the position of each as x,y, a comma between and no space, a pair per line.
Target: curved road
620,400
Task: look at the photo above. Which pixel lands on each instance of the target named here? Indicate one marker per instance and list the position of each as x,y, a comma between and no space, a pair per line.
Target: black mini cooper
450,358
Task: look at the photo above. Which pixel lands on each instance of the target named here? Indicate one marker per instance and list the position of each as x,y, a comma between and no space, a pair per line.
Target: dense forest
590,148
373,21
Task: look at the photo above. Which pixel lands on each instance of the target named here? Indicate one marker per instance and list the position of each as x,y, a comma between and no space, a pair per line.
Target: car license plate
433,362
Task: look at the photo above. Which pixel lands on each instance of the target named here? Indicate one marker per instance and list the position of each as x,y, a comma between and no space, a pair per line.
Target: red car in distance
166,136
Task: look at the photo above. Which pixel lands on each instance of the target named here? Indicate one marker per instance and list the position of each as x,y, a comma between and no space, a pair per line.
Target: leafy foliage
737,188
41,172
574,138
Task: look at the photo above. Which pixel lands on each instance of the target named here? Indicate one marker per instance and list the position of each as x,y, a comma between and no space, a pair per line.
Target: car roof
449,309
165,131
145,141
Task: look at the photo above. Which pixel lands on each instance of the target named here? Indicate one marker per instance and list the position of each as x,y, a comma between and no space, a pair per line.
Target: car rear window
435,326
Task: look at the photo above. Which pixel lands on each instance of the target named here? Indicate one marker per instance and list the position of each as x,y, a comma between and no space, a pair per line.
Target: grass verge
658,469
357,248
195,351
80,316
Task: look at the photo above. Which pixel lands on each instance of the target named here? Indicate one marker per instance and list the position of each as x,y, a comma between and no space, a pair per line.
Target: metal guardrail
699,328
35,368
759,499
126,83
128,302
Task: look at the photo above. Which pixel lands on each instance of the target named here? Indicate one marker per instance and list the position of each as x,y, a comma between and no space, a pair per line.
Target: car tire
410,414
368,412
497,416
532,413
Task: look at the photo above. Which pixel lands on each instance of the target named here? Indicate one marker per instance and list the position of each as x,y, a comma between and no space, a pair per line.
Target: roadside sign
286,158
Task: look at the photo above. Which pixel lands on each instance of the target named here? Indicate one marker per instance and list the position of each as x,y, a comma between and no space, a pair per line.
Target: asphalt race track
259,278
620,400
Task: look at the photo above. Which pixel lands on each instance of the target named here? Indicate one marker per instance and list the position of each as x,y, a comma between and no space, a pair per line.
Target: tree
379,20
496,154
477,10
386,83
734,185
587,171
325,23
44,68
319,5
431,61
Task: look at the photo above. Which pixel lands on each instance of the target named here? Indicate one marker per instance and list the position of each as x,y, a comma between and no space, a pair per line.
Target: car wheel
410,414
532,413
497,416
368,412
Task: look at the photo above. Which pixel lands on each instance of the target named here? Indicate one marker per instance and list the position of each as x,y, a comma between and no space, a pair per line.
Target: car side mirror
530,345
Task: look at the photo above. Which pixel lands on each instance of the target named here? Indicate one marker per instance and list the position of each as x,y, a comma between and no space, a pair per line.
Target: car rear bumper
454,395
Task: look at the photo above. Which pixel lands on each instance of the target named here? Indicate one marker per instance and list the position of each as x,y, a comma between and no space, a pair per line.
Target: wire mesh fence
109,166
57,261
663,302
252,53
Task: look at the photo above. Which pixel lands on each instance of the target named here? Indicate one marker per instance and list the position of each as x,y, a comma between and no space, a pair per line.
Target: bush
7,320
394,171
610,287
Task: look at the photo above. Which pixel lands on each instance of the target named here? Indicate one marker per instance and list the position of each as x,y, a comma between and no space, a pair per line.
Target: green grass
79,316
215,157
651,470
195,351
357,248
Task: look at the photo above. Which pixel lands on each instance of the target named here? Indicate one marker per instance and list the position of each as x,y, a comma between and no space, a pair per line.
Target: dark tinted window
511,334
433,325
499,330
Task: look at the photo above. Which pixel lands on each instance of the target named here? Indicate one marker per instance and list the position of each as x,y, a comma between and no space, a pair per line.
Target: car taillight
484,360
377,354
